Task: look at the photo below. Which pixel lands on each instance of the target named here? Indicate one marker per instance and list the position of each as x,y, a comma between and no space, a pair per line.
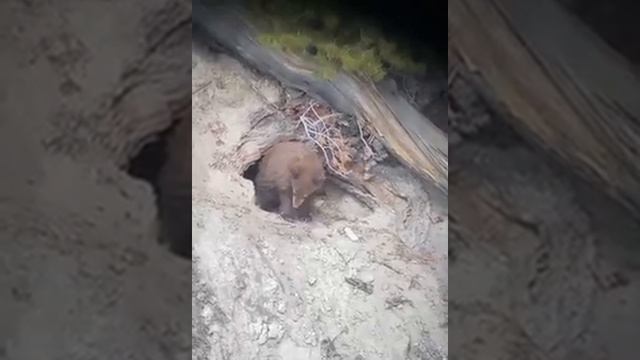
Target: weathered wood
560,85
413,139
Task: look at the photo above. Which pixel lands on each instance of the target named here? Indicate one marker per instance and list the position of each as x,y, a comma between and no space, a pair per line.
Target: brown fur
289,174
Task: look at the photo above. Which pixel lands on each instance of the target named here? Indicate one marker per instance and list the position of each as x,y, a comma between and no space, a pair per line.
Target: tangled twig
311,135
322,131
320,125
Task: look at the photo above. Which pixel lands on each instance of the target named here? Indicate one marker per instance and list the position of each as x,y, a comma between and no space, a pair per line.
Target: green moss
295,43
353,60
349,46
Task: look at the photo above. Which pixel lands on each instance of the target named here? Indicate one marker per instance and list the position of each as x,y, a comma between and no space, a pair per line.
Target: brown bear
289,174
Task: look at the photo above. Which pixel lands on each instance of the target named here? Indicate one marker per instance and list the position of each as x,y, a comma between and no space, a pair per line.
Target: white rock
350,234
275,331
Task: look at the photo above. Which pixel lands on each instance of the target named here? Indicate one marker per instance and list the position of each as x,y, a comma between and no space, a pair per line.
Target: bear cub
289,174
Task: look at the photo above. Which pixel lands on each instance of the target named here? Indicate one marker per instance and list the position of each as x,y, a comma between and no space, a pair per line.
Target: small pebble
311,339
262,339
282,307
350,234
259,331
275,331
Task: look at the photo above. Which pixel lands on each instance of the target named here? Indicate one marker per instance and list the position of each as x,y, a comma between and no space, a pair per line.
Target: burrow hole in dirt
147,165
251,172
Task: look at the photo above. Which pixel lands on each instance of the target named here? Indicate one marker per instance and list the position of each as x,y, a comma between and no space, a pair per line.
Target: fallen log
559,85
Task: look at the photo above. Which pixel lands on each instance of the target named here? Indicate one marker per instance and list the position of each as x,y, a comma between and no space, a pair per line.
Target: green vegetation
315,31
